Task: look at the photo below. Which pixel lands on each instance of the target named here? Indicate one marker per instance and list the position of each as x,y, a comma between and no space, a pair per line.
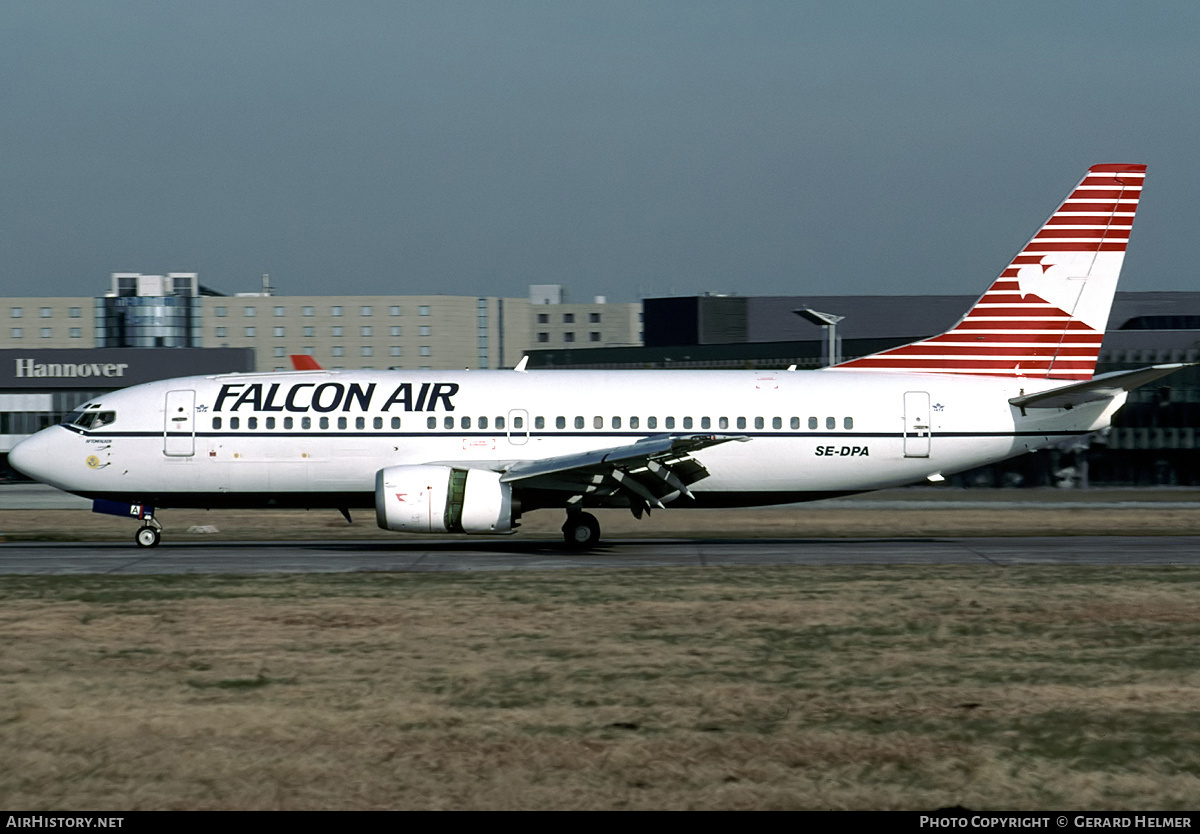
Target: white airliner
469,452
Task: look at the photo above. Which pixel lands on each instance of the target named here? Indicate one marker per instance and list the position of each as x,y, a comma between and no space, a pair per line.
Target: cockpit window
85,419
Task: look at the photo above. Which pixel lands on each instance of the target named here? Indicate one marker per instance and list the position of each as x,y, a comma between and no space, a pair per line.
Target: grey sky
625,149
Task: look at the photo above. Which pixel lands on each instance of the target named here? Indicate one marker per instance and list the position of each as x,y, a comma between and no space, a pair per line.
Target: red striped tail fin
1045,315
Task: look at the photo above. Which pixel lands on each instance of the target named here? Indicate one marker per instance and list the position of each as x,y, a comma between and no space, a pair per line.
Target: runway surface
446,555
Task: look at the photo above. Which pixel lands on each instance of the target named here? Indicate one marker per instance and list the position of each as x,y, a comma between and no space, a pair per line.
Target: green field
868,687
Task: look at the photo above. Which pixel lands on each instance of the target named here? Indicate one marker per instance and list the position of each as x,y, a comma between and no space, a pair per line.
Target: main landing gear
581,531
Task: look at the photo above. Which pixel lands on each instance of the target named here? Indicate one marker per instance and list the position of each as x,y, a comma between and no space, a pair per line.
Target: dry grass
815,520
902,687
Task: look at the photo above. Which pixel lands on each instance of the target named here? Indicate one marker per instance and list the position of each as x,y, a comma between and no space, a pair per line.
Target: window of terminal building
249,312
308,311
422,311
394,330
46,333
594,318
364,311
365,330
367,350
335,331
543,318
278,331
18,332
337,350
310,332
16,312
425,350
594,336
543,337
425,330
220,331
568,337
76,333
279,312
568,318
335,311
395,350
395,310
221,312
250,331
46,312
76,312
279,351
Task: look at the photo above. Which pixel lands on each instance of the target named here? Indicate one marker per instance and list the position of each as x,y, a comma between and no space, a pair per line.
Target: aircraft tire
581,531
147,537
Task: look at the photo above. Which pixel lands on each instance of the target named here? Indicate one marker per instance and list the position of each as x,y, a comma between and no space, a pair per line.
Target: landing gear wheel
581,531
147,537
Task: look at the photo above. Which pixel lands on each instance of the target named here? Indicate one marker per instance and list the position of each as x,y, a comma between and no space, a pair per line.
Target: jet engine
442,499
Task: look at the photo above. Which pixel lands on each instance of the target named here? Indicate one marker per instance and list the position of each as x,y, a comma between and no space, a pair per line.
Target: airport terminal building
56,353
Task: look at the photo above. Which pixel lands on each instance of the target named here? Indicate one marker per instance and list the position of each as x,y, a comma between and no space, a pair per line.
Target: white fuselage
319,438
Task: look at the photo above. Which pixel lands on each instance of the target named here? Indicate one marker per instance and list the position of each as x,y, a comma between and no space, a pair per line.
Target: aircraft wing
1103,387
644,474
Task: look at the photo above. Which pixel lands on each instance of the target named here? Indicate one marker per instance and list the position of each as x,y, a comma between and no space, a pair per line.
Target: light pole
830,322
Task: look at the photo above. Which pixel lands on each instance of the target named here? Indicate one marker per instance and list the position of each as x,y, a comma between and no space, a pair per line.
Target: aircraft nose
29,457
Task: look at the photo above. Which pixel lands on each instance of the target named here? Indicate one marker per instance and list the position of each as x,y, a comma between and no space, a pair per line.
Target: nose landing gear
148,536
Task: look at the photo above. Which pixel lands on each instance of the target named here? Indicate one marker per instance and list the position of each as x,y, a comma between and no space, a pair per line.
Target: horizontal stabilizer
1097,389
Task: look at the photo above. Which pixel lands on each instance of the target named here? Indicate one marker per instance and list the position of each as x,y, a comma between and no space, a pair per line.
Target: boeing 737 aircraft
469,452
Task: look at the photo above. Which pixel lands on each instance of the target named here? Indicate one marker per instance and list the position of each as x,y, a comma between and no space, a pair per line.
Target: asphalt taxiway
457,555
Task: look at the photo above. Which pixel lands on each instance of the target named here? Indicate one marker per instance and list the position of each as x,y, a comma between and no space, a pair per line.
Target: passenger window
831,422
795,422
448,422
465,422
634,422
723,422
538,422
848,422
705,423
270,422
519,422
341,422
812,422
483,422
252,422
324,423
216,422
670,422
758,423
431,422
616,422
288,422
597,422
378,422
578,422
500,422
234,423
306,422
651,422
360,422
560,422
776,422
687,422
395,422
741,422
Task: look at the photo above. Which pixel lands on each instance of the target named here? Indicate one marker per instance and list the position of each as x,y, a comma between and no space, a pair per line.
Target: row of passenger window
499,423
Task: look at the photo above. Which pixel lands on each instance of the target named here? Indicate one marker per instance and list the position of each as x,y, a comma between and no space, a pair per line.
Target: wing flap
602,461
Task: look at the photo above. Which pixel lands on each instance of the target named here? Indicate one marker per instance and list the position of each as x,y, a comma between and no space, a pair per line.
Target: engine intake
442,499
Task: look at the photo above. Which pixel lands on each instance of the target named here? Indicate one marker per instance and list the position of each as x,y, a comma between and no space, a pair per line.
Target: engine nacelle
442,499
